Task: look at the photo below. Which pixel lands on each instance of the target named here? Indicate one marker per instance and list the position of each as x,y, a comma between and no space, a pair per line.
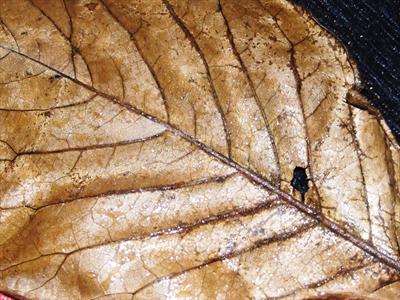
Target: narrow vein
393,184
52,277
141,53
298,81
317,284
154,188
360,165
71,28
5,56
68,39
112,295
8,145
381,286
251,175
90,147
251,83
196,46
50,108
21,79
4,25
318,106
285,236
48,18
181,229
122,81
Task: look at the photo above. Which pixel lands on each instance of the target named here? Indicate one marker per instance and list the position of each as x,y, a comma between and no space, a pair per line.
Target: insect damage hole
300,181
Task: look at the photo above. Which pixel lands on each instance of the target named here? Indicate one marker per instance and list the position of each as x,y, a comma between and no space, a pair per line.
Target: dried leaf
147,150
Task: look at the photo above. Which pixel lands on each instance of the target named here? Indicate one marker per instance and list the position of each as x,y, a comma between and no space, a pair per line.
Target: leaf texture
147,149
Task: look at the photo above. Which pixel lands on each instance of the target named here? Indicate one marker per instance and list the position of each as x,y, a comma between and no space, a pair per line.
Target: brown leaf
147,150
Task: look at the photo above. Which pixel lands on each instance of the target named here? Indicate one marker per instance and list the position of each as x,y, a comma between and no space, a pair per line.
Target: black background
370,30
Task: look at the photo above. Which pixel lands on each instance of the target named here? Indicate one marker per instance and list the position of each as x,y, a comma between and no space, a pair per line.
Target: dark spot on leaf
55,77
47,114
91,6
300,181
273,38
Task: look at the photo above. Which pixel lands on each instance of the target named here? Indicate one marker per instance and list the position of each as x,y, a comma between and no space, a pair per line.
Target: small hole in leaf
300,181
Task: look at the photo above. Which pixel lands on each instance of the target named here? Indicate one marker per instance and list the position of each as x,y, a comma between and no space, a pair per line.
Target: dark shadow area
370,29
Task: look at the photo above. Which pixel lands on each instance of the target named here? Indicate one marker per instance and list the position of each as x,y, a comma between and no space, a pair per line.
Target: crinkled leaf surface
147,149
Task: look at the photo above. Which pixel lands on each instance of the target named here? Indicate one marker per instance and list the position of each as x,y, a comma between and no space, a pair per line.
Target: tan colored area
147,149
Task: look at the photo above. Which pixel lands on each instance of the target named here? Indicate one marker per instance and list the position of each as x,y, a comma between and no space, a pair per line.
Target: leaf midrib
251,175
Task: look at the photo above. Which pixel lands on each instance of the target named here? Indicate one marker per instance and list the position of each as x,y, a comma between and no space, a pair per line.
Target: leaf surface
147,150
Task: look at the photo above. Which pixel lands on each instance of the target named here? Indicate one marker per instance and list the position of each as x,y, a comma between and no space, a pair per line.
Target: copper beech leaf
147,150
